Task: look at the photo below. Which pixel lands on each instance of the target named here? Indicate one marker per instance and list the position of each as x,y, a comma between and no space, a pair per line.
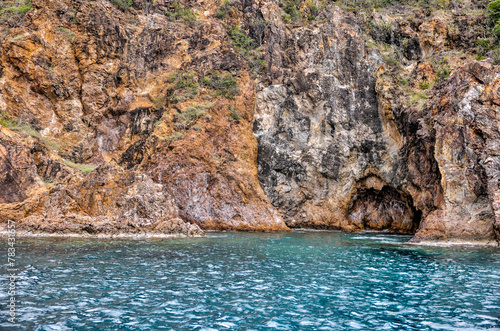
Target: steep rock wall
342,147
329,155
126,91
463,117
183,126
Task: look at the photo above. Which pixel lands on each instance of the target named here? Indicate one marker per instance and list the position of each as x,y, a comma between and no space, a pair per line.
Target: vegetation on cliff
166,95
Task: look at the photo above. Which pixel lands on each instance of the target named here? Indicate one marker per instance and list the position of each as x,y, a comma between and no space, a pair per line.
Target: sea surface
252,281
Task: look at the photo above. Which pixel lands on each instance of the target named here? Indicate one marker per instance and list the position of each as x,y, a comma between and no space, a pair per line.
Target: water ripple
239,281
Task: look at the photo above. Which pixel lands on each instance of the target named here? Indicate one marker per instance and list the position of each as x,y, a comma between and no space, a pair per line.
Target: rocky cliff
175,117
161,106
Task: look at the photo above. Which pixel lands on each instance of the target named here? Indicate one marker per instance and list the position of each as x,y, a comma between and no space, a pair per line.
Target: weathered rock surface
99,81
342,147
108,201
329,155
351,122
19,178
463,117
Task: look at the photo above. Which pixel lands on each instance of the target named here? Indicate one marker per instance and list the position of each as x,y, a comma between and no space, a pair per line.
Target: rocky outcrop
109,201
19,178
329,154
342,146
463,118
221,116
124,91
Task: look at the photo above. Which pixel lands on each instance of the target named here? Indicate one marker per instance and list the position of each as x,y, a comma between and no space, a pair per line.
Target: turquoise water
249,281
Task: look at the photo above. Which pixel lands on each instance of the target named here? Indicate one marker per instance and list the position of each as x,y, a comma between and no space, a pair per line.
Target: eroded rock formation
101,86
463,120
174,117
342,147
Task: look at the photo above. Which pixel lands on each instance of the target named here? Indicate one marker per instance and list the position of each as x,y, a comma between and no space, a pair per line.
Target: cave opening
385,209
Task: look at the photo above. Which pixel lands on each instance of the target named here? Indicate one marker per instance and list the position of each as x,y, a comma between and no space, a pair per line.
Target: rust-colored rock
100,83
358,124
108,201
467,137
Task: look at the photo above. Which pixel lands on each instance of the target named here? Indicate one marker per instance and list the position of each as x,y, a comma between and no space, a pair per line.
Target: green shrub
173,137
233,112
83,168
184,87
224,10
425,86
241,41
124,4
291,8
494,7
182,13
24,8
257,64
312,11
183,80
191,113
496,30
484,45
248,47
443,72
225,85
10,8
7,122
259,26
68,33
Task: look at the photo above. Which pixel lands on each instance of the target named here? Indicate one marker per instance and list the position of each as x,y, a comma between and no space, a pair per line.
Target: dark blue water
245,281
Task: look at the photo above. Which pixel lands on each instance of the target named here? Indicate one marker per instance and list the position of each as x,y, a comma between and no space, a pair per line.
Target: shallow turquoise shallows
251,281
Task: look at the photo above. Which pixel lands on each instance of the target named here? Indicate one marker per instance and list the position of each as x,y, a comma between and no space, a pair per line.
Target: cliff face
344,145
357,124
162,107
463,121
328,157
348,140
